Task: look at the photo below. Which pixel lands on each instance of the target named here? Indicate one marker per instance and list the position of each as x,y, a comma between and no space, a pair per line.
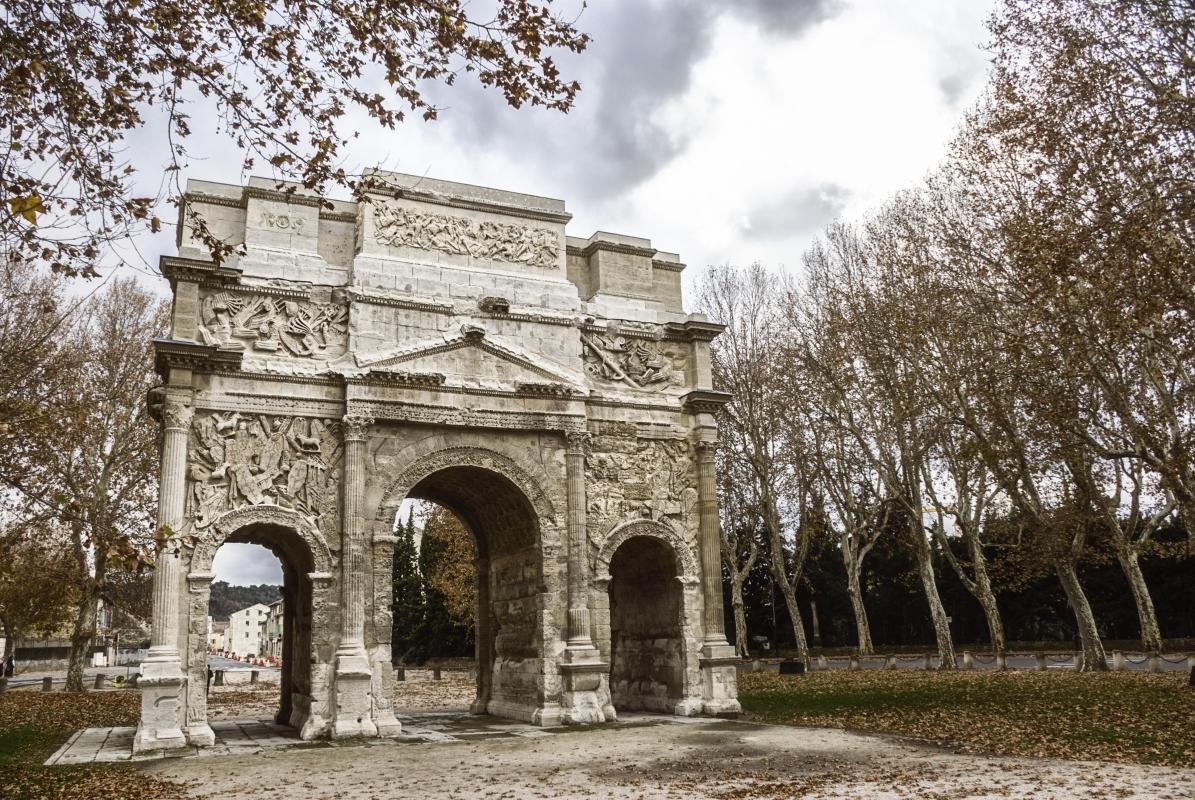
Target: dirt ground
711,759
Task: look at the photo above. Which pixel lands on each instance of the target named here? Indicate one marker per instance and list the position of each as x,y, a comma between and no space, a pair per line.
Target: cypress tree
409,605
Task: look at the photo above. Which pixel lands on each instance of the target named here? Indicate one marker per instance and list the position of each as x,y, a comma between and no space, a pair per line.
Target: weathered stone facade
451,343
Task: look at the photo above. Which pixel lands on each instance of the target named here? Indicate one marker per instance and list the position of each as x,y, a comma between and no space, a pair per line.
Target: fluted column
162,681
711,548
356,712
579,632
176,421
352,632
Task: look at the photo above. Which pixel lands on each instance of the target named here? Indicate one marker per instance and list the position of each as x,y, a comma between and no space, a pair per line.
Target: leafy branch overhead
79,81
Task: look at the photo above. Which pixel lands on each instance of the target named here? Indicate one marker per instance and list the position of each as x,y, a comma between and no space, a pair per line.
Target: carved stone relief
651,479
518,244
241,460
269,324
281,221
635,362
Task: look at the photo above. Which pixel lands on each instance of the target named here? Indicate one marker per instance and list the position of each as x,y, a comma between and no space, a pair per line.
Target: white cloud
246,565
726,132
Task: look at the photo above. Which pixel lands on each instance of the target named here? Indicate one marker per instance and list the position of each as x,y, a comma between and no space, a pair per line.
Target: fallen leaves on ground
1124,717
35,724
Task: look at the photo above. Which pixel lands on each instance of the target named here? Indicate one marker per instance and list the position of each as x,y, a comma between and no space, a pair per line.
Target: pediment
470,357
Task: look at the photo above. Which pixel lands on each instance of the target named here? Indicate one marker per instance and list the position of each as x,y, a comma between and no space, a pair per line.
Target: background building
244,630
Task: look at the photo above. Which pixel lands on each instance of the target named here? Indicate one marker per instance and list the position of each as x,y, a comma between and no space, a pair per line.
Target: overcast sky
727,132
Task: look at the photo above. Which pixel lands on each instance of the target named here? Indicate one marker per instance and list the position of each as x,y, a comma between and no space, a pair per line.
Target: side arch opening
647,655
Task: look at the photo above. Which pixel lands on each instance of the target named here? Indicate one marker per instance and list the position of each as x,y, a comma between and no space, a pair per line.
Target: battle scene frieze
241,460
398,226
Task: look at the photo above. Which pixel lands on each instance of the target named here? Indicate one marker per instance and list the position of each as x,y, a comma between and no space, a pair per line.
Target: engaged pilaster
162,678
717,656
583,666
354,702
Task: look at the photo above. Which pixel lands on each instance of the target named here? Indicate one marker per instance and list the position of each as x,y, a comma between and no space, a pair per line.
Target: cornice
705,401
693,330
667,266
433,198
180,354
179,268
399,302
614,247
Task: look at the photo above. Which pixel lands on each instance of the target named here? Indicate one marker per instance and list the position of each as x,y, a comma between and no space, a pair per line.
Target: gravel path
706,759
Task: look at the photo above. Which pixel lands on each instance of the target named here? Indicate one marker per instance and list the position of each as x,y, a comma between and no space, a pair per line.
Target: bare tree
746,363
857,306
96,476
740,541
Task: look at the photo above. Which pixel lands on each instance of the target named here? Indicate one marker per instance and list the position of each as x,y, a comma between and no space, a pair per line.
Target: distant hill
227,600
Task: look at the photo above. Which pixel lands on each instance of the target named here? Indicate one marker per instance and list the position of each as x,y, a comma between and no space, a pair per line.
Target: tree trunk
81,637
929,585
10,641
1094,658
740,614
794,613
1151,635
817,628
984,594
855,590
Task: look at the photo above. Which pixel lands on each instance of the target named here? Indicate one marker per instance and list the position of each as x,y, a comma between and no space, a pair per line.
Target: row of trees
1003,356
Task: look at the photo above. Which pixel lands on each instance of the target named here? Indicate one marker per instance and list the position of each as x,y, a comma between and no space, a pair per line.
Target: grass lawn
1128,717
35,724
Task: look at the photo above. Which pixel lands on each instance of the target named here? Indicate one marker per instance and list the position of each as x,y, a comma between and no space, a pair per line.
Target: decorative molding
230,523
617,247
423,414
667,266
449,201
399,226
693,330
577,441
179,354
364,295
179,268
662,530
291,198
535,490
705,401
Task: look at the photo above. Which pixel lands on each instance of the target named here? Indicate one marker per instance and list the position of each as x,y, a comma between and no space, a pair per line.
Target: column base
200,735
354,697
719,679
586,696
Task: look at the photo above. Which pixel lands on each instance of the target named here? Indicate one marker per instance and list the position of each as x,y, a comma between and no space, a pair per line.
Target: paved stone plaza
449,343
672,758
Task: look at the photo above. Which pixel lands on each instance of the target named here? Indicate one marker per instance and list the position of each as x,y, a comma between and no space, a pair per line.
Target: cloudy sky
727,132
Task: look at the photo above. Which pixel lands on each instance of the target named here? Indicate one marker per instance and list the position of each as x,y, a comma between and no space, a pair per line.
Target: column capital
707,447
176,415
577,441
356,427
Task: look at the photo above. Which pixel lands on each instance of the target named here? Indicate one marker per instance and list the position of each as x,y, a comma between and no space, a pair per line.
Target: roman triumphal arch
445,342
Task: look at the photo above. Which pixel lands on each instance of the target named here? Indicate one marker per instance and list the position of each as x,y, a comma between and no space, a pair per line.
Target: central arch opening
504,530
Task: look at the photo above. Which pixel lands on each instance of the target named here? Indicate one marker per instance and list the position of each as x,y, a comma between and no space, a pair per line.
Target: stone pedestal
719,679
